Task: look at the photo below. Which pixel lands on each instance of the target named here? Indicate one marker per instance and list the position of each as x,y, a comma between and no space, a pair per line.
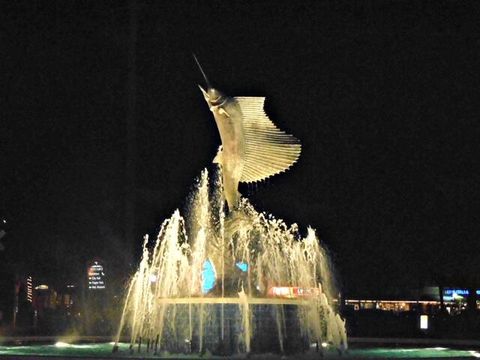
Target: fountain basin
104,351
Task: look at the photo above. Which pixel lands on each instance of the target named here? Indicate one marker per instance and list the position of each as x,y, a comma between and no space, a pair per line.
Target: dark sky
383,96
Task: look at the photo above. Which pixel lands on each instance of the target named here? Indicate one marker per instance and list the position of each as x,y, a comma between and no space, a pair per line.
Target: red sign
293,292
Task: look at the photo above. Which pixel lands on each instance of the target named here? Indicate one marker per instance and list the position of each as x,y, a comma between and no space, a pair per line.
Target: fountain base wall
275,328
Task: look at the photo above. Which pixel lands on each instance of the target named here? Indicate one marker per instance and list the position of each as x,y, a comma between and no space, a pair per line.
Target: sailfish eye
215,96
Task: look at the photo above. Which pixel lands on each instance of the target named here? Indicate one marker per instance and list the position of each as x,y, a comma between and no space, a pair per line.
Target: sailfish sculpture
253,148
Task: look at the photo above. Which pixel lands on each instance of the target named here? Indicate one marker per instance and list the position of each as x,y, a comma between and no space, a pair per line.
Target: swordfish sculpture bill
253,148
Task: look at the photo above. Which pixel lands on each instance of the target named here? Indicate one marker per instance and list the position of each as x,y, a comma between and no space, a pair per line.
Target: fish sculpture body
253,148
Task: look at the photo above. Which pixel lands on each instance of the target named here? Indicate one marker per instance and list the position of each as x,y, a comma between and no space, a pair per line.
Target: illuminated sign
29,289
424,322
460,292
96,276
450,294
293,291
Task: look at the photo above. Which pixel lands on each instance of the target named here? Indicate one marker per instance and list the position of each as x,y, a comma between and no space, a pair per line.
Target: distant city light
41,287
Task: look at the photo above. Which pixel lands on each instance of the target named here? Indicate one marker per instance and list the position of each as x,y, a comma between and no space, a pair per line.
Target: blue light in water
208,276
242,266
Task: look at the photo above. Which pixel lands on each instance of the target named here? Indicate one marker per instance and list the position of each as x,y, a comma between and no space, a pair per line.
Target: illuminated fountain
208,283
229,281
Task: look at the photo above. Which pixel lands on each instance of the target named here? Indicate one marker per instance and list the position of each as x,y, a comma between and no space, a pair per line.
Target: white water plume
265,273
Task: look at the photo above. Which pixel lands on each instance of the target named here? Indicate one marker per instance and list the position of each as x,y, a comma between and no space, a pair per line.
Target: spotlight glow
61,344
474,353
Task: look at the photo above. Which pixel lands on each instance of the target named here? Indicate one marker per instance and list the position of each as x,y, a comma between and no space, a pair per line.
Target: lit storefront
454,299
392,305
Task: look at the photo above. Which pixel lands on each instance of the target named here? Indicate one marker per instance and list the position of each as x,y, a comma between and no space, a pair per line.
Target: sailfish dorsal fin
268,150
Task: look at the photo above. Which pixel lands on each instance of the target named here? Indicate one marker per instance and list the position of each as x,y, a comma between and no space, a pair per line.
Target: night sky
384,97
